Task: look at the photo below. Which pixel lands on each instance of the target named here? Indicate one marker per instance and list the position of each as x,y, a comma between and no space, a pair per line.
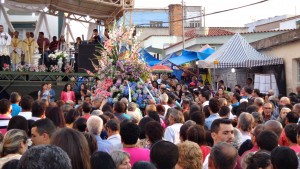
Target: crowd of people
190,127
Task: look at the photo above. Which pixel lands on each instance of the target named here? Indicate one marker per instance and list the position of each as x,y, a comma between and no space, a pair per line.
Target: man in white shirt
5,41
221,131
245,123
26,105
176,120
113,131
204,98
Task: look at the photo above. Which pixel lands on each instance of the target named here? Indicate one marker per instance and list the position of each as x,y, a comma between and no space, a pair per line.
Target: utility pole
183,40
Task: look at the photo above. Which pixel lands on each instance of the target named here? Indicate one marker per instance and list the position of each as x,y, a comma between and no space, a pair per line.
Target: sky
238,17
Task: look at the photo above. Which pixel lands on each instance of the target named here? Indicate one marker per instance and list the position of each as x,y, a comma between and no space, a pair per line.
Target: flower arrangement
58,54
30,68
6,67
54,68
69,68
42,68
118,59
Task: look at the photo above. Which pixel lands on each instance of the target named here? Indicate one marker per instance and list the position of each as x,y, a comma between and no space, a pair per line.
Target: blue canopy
166,61
186,56
148,58
205,53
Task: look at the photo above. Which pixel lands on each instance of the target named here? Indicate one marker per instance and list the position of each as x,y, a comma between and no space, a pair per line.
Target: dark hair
42,89
42,33
14,97
223,155
4,106
57,116
258,160
86,107
113,125
65,87
107,108
71,116
154,131
154,115
250,79
224,111
84,91
252,108
80,124
284,157
18,122
49,157
196,133
205,94
143,165
75,145
12,164
142,126
291,131
119,107
184,128
195,107
95,30
92,142
102,160
215,126
198,117
292,117
206,111
267,140
38,108
257,91
44,126
26,103
214,105
248,90
130,133
237,96
164,155
160,109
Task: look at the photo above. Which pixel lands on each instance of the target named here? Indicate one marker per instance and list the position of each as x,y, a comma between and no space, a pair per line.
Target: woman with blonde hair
190,156
13,146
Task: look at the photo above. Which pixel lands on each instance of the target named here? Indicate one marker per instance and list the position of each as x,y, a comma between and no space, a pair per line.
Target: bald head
223,156
275,126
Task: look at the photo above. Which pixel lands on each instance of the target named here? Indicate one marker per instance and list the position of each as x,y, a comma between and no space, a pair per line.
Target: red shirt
205,151
296,148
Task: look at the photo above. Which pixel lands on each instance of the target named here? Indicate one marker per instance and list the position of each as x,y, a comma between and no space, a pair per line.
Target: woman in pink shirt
67,94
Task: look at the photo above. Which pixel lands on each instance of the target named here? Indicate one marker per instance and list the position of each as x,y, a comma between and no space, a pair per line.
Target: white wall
291,24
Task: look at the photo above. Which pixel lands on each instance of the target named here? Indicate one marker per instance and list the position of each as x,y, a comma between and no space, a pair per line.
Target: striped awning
237,52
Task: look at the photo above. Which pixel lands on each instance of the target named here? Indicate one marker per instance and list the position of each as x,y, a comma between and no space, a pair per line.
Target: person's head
112,127
14,142
291,131
44,87
283,112
248,91
223,156
235,97
255,132
268,109
154,131
38,109
86,107
92,142
49,157
26,103
42,131
190,156
149,108
94,125
164,98
249,81
130,133
18,122
258,118
245,122
87,99
224,112
214,105
284,101
31,34
197,134
198,117
71,116
15,97
267,140
119,107
57,116
12,164
222,131
102,160
142,126
256,92
292,117
75,145
258,160
41,35
164,155
143,165
175,116
5,107
95,31
204,96
121,159
296,108
80,124
54,38
78,39
68,87
275,126
283,158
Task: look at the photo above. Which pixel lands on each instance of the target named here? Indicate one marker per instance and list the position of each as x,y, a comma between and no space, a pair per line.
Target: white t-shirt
172,133
45,95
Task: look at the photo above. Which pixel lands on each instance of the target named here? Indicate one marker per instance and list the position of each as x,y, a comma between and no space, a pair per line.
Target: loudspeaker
86,53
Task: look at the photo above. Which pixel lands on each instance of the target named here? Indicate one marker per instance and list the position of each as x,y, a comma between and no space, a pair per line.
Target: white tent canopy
237,52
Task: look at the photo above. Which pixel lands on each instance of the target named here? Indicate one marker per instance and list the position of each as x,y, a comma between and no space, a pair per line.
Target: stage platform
28,83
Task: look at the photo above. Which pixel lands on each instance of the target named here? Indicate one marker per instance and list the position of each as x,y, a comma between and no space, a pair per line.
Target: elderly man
16,49
94,125
30,47
245,124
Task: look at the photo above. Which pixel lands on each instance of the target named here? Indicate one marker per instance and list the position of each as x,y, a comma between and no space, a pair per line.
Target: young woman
44,93
62,45
67,94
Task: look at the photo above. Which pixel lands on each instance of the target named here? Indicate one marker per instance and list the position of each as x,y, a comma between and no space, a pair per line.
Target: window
194,24
156,23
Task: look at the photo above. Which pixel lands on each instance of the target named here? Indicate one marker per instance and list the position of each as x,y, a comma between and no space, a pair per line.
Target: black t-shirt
97,39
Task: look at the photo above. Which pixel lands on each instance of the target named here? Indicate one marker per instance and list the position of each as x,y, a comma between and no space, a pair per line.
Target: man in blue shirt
119,109
15,100
214,107
52,92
